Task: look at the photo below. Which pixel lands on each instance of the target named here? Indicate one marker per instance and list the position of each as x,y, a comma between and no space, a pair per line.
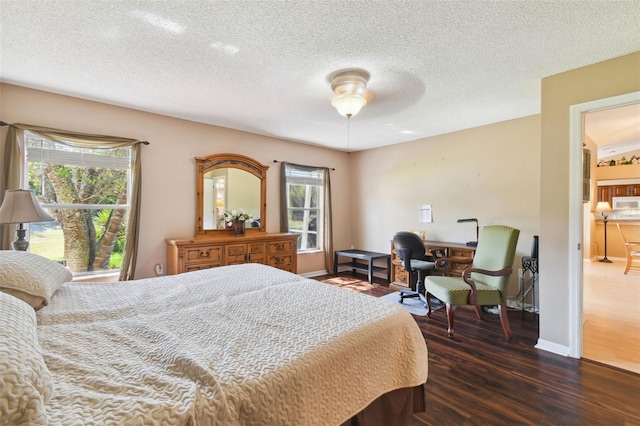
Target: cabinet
606,193
192,254
400,277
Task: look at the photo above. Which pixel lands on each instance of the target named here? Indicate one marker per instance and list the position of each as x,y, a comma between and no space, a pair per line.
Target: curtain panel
327,237
14,177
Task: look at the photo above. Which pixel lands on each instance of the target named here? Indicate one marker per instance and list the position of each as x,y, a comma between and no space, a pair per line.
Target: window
86,191
305,195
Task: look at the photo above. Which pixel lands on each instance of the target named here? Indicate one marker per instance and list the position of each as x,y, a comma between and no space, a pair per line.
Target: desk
461,251
368,256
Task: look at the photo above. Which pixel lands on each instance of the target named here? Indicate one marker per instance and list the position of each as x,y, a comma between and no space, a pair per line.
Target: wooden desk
368,256
399,275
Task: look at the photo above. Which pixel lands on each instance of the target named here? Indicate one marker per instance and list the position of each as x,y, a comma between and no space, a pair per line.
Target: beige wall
603,80
168,181
490,172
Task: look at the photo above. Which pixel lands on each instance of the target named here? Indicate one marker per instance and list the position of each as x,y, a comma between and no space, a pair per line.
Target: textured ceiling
262,66
615,131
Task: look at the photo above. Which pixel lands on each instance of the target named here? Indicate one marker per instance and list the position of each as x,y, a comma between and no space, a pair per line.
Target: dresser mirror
228,182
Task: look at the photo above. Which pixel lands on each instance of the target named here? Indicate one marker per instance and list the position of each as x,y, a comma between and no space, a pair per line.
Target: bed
235,345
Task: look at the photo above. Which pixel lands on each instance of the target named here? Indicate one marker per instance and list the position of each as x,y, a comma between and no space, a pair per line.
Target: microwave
626,203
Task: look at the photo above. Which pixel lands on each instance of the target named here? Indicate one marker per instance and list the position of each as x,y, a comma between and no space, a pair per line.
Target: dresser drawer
257,252
207,254
235,253
284,261
198,266
280,247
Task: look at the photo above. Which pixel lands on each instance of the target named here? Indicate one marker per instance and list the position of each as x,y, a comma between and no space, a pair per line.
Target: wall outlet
159,269
351,247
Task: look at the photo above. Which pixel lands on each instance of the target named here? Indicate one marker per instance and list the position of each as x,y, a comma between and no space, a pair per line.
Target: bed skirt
395,408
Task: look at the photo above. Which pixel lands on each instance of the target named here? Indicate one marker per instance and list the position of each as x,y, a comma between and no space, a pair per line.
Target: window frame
76,156
309,179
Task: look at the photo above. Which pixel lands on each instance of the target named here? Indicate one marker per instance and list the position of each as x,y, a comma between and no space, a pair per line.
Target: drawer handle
205,254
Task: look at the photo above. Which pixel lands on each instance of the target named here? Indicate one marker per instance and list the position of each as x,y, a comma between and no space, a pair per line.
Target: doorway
579,275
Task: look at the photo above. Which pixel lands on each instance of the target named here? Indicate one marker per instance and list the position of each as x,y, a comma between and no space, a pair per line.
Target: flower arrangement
233,216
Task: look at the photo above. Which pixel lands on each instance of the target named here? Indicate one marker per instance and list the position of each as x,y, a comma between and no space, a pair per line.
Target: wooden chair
485,282
633,250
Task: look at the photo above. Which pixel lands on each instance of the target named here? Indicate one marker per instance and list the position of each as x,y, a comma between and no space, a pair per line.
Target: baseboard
516,305
552,347
314,274
597,258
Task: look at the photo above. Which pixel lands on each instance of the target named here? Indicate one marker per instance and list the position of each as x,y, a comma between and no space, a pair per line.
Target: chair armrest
437,253
442,265
405,257
466,276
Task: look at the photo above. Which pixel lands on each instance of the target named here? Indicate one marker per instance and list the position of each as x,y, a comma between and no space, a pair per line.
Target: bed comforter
237,345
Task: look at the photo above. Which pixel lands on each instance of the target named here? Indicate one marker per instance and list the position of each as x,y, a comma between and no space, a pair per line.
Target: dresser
400,277
192,254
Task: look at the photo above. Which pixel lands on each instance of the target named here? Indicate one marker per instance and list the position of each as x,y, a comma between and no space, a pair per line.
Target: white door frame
576,210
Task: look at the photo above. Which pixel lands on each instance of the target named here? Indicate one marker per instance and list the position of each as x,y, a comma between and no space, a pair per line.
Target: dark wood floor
479,377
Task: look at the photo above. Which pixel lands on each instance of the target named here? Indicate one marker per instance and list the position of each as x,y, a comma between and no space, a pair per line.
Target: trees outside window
304,207
87,191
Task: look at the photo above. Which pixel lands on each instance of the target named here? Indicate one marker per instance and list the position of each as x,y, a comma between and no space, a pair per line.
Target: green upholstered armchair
485,282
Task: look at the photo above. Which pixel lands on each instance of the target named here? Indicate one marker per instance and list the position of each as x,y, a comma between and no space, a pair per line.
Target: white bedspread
237,345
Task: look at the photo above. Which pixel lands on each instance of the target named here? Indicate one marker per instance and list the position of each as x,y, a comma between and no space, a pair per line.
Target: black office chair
411,251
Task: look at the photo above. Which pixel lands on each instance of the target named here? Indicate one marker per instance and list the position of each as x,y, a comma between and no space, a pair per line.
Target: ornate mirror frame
237,161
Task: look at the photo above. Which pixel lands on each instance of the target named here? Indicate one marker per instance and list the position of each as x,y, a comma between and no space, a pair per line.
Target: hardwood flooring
480,377
611,315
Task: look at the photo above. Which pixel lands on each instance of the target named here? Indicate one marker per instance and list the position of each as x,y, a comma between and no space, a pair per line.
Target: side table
363,255
530,264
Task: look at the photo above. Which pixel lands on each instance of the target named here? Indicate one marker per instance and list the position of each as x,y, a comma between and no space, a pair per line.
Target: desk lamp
21,206
472,243
603,207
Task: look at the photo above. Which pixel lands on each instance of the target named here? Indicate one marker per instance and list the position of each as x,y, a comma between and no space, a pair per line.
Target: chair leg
428,297
504,320
478,313
450,317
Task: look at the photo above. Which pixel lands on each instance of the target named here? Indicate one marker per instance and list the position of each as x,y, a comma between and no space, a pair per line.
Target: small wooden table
368,256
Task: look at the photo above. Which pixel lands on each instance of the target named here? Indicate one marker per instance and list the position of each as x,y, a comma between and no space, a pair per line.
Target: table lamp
604,208
472,243
21,206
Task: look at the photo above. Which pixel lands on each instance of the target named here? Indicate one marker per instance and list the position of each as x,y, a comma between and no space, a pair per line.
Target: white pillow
25,382
31,277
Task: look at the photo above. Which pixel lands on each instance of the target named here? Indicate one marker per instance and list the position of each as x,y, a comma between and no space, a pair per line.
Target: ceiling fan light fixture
349,104
350,87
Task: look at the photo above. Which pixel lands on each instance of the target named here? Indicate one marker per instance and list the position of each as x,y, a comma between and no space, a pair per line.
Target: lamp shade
349,104
21,206
603,207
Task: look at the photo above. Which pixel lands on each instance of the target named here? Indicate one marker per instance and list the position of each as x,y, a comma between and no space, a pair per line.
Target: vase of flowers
236,219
